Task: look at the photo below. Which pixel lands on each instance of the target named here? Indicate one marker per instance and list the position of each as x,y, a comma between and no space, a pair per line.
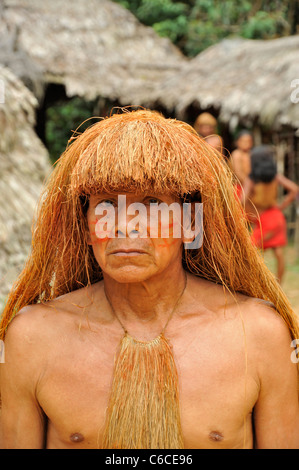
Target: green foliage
195,25
62,119
150,12
262,26
175,30
168,18
159,11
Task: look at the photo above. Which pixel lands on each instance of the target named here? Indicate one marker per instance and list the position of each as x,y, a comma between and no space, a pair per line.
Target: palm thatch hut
24,164
246,81
95,48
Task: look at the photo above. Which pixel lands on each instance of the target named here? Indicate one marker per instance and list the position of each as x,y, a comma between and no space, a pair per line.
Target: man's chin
130,273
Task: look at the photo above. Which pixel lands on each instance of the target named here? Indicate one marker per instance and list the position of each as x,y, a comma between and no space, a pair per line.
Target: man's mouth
128,252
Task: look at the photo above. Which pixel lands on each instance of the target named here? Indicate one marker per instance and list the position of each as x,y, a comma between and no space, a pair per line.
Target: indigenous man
118,336
262,206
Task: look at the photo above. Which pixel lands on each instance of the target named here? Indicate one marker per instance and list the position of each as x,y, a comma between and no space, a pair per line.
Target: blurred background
63,62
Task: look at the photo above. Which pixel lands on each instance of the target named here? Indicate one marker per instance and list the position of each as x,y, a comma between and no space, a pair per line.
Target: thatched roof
24,164
245,80
95,48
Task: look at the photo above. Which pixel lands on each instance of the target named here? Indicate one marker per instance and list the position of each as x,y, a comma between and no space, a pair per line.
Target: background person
239,160
215,141
205,124
262,206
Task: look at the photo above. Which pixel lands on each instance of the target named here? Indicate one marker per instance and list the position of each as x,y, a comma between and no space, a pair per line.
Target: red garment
271,221
238,190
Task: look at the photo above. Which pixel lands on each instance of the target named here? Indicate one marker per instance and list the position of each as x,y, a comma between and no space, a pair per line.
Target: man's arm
240,165
276,413
22,420
291,188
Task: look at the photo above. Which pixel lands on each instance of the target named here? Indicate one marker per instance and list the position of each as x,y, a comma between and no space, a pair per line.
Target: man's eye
108,202
152,200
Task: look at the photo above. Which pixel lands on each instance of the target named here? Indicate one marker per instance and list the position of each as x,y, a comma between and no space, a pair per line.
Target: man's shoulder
258,315
46,318
236,154
30,323
266,331
26,340
262,315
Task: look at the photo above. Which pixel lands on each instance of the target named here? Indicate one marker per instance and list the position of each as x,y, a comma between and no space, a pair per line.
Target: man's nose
134,233
129,225
129,228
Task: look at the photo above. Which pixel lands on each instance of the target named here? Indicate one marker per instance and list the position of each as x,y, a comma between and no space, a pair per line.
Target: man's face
245,142
132,240
206,129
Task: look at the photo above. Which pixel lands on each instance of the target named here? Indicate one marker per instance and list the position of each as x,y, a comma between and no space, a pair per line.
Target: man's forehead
122,192
134,194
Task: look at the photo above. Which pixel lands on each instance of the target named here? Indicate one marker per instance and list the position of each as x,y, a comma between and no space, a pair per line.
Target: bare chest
216,394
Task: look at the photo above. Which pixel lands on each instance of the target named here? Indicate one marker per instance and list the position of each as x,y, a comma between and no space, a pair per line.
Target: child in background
240,159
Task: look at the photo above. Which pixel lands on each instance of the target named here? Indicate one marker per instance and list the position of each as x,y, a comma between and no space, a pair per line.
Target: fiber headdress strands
144,411
140,151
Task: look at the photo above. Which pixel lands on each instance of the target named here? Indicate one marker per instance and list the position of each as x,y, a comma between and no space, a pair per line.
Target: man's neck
145,306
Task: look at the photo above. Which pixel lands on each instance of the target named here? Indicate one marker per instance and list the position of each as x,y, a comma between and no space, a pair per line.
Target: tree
195,25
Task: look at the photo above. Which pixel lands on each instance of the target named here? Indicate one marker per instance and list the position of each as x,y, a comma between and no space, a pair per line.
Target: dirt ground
290,283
